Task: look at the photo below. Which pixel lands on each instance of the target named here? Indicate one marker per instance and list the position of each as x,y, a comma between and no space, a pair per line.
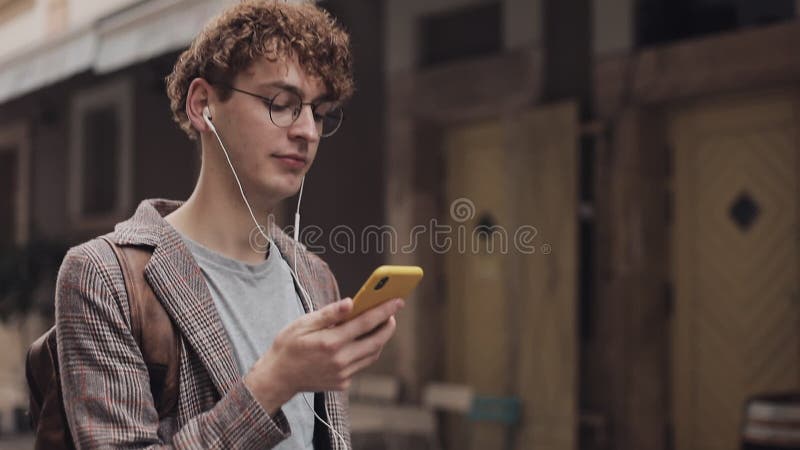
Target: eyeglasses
285,107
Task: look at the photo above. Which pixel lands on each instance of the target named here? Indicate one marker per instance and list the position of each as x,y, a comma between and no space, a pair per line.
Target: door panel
736,262
477,339
511,327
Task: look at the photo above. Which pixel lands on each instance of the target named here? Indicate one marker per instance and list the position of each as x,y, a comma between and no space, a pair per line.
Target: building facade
613,183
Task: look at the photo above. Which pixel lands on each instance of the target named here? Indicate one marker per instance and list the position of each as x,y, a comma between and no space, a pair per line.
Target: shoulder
90,270
91,257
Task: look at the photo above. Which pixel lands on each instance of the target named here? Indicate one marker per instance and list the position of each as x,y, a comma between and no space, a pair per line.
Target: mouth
293,161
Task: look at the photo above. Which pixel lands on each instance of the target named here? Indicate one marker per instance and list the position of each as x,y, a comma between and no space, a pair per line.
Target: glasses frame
295,114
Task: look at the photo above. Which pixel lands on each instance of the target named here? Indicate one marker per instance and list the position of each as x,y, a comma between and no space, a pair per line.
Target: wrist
270,392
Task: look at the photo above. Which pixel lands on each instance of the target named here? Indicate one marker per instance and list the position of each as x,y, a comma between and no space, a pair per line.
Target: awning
134,34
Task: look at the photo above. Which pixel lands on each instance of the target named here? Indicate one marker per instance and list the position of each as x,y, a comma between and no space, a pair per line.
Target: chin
286,188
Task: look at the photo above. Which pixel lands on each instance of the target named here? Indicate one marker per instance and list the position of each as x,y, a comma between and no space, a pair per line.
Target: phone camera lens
381,283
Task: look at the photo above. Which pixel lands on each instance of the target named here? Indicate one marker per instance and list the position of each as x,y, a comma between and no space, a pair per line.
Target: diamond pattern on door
744,211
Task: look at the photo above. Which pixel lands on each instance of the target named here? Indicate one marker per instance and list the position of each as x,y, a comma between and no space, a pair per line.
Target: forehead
286,70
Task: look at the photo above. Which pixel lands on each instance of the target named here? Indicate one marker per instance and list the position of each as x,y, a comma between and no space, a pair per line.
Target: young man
259,88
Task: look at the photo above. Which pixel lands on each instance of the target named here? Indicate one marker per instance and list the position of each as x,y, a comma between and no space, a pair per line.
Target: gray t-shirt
255,302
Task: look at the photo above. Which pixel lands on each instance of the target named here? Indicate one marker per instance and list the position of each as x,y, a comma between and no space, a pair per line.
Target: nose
305,127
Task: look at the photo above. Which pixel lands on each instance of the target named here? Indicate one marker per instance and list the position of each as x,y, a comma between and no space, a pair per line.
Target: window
465,33
661,21
8,190
14,187
100,155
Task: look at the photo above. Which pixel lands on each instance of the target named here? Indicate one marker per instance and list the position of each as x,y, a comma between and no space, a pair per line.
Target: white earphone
207,118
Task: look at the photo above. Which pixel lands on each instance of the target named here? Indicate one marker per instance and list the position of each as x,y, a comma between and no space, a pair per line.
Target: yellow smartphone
385,283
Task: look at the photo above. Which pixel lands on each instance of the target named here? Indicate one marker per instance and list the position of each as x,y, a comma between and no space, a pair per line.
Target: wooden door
736,323
8,196
511,311
14,183
17,333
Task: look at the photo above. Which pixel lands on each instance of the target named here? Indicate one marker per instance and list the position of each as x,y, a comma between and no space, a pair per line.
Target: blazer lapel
179,283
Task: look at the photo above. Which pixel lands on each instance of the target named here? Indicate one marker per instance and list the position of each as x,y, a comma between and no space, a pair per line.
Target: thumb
331,314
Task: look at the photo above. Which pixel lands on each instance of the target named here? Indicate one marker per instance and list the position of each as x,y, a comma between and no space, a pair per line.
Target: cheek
258,142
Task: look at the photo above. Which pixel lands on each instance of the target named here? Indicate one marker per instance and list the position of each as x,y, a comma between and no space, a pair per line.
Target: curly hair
263,28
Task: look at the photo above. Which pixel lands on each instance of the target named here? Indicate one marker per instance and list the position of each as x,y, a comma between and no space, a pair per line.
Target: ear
197,99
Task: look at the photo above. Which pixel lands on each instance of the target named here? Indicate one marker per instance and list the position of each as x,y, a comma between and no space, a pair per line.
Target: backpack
154,332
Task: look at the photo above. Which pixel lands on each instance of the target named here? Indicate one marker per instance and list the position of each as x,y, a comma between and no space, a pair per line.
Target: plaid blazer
105,382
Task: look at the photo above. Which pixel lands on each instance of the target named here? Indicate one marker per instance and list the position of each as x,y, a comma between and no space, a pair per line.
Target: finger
372,331
372,343
369,358
359,365
328,316
369,320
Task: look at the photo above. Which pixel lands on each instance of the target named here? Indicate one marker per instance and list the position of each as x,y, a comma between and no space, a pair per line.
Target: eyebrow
294,89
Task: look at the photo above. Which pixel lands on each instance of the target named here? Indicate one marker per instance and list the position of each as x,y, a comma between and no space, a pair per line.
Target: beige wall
84,11
46,19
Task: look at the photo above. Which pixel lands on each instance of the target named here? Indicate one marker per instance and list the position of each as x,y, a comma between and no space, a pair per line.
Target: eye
318,117
324,108
280,105
284,101
327,111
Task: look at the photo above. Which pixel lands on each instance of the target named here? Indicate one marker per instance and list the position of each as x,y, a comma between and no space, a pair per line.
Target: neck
215,216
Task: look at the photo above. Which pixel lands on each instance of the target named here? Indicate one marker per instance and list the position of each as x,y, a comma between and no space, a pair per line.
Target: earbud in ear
207,113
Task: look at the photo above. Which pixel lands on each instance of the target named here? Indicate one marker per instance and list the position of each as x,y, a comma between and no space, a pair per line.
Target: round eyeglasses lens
284,109
331,116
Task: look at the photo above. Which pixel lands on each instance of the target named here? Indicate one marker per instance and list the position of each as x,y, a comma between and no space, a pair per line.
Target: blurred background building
653,145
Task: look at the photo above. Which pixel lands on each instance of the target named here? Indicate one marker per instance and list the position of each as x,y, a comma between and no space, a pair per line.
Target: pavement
16,442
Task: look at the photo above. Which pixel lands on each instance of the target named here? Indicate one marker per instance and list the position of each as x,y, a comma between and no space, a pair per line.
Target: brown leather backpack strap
134,289
152,328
